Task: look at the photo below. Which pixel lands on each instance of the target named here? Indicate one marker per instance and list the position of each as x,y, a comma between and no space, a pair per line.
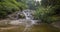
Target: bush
9,7
46,15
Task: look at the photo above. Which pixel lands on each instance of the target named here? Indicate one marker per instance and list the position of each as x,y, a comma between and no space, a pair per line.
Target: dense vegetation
49,11
10,6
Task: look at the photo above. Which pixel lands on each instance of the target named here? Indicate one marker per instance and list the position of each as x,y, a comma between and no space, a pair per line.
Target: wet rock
56,24
21,16
4,22
16,15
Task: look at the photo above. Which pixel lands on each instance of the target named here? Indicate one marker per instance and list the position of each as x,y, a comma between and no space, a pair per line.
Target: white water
28,16
28,22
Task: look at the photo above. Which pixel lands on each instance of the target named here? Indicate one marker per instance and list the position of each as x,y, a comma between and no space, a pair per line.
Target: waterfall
28,21
28,16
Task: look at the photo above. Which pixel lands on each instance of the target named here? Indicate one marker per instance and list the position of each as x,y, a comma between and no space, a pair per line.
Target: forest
46,11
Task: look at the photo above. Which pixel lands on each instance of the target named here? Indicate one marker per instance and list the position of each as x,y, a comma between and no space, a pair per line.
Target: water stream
28,21
28,16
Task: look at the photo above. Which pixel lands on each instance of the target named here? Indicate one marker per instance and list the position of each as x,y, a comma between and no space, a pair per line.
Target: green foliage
10,6
50,2
48,11
46,14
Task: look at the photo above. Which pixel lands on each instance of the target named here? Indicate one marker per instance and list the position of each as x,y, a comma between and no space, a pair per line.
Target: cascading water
28,16
28,22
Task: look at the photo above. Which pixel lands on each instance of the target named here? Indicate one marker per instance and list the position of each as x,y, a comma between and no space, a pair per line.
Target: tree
10,6
49,11
50,2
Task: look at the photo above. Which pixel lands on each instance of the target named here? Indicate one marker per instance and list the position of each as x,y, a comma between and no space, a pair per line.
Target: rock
56,24
17,15
21,16
4,22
